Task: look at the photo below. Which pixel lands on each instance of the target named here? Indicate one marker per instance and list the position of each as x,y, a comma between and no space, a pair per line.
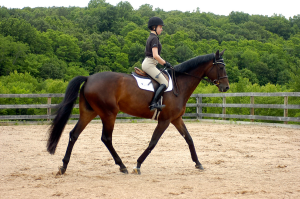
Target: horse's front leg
180,126
159,130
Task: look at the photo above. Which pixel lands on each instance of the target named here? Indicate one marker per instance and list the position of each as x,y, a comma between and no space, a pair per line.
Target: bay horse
107,93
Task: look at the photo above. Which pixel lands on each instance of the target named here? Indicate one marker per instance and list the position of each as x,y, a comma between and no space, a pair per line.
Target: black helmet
155,21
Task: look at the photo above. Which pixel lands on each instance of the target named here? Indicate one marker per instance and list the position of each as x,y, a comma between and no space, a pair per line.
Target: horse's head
217,74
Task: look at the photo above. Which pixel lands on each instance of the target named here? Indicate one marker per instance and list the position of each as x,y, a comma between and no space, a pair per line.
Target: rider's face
159,29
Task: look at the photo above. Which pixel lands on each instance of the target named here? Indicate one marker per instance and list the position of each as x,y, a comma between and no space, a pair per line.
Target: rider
152,52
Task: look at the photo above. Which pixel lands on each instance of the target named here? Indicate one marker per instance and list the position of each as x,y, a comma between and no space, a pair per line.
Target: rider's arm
157,57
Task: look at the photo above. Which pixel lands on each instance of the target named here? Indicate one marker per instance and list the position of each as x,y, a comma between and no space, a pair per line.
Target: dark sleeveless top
152,41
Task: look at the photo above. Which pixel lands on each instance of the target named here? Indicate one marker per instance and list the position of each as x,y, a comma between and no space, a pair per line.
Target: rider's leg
157,95
149,66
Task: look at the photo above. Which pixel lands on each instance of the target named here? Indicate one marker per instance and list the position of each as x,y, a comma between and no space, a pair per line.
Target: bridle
216,63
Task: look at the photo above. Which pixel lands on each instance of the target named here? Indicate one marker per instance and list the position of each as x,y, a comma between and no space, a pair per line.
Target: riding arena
239,160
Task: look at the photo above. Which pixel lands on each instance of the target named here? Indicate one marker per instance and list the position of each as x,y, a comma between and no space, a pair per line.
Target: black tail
63,113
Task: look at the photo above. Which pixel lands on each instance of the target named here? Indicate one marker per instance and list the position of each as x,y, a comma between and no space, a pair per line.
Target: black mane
193,63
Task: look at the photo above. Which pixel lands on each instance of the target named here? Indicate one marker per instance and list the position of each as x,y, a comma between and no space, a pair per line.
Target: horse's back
104,77
105,82
117,90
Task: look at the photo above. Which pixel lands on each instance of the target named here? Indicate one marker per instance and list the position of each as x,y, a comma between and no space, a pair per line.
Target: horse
107,93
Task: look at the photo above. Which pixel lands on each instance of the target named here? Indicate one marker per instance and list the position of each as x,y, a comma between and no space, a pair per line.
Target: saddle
142,73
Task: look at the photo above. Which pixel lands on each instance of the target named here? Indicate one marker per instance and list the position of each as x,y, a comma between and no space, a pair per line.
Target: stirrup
155,106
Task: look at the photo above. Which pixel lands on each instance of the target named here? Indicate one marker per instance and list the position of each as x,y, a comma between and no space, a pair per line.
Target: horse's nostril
227,88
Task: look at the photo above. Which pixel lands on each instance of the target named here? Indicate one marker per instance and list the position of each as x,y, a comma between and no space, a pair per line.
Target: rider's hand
168,65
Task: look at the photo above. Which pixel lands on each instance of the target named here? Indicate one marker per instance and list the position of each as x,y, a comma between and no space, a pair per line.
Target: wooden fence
199,105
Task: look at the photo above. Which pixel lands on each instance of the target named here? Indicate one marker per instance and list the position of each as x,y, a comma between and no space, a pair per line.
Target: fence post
49,109
285,112
199,107
224,108
252,109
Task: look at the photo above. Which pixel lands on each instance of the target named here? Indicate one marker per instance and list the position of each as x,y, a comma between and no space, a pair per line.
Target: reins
174,82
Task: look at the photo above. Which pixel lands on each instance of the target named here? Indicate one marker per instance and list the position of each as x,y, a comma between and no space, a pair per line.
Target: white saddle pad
146,84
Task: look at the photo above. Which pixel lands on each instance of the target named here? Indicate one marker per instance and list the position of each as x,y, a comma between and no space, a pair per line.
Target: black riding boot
157,95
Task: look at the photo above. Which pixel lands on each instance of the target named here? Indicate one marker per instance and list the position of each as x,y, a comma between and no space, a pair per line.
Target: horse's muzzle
223,88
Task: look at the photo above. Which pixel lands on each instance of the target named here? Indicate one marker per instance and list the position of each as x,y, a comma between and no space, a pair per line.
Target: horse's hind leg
108,122
86,115
74,134
180,126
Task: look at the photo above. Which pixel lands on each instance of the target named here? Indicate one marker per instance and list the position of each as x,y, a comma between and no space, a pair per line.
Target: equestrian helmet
155,21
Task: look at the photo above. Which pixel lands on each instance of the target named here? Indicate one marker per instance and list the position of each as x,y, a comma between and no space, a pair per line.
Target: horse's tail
63,113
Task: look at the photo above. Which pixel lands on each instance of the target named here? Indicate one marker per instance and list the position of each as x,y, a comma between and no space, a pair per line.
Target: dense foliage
41,49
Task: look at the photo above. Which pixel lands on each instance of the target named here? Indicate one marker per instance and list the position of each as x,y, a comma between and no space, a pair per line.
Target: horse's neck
190,83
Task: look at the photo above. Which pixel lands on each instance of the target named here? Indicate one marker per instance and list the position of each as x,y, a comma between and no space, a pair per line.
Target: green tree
183,53
124,10
294,84
64,46
233,73
11,55
275,65
146,11
33,64
68,49
54,86
246,73
294,44
4,12
128,28
238,17
74,70
96,3
53,69
20,30
105,14
104,37
88,60
121,63
279,25
17,83
137,36
249,59
136,53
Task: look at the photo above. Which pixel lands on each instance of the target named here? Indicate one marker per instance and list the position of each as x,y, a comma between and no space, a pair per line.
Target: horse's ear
217,54
221,54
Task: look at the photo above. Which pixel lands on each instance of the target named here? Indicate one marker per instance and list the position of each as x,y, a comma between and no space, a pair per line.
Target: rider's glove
168,65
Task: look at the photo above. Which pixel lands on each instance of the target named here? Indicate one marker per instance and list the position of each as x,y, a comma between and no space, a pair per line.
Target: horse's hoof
136,171
199,166
124,170
61,171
